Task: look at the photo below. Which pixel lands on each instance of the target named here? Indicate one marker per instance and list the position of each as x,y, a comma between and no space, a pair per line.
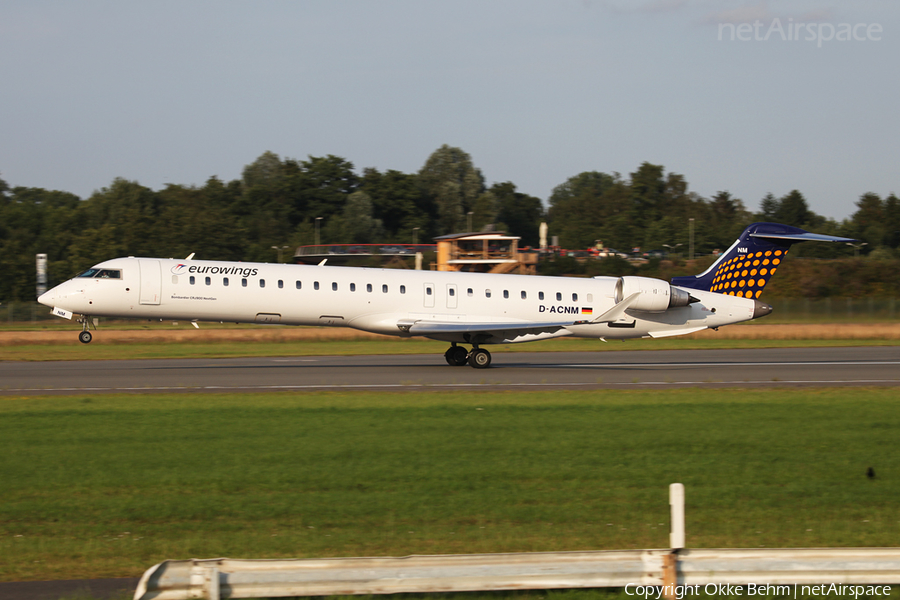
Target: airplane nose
47,298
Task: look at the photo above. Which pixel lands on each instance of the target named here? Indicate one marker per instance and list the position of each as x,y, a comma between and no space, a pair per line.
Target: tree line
279,201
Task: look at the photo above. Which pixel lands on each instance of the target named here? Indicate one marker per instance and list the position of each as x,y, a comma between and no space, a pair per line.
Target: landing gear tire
479,358
456,356
85,337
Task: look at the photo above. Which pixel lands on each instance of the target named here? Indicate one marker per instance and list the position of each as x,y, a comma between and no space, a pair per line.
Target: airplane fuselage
386,301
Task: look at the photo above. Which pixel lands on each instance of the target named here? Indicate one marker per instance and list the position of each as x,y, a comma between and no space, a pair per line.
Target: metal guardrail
228,578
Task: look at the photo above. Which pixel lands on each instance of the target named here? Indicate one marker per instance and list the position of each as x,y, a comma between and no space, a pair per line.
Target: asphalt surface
99,589
860,366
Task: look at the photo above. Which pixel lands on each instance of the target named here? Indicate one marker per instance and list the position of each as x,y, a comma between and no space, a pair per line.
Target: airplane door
429,295
451,295
151,281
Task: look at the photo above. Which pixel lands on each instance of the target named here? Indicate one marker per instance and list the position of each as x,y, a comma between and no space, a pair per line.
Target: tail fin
745,268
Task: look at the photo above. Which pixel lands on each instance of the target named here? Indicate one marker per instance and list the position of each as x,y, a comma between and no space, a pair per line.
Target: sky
733,95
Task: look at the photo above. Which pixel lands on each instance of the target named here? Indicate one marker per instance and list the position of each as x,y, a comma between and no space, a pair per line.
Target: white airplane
476,309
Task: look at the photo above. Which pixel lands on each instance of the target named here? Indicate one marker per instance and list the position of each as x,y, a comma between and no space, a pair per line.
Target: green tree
359,225
400,203
453,182
868,222
521,213
793,210
892,221
768,208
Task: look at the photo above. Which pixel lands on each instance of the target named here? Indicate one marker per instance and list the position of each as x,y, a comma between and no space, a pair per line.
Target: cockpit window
102,274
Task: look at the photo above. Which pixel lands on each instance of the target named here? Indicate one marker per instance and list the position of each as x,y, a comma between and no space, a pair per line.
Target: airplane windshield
102,274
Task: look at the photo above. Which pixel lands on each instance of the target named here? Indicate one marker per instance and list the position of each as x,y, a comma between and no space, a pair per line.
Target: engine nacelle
656,295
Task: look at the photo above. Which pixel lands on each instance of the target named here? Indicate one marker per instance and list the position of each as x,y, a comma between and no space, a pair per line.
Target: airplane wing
434,327
424,327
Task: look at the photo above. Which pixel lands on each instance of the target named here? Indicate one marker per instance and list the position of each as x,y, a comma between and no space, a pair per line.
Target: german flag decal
587,311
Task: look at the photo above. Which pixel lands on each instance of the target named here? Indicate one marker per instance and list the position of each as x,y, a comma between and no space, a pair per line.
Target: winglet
322,264
190,256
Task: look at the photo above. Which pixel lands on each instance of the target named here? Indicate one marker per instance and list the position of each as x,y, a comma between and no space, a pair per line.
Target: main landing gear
457,356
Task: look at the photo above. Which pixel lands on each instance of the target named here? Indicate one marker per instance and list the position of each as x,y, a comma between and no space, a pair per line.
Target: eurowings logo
179,268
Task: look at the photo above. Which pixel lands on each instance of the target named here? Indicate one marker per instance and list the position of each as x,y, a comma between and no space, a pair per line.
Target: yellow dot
766,261
775,261
758,293
768,253
742,283
741,294
744,273
758,254
733,283
753,272
778,253
772,272
755,262
763,271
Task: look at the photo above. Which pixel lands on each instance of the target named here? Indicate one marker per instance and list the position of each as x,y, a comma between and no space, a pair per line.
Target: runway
758,368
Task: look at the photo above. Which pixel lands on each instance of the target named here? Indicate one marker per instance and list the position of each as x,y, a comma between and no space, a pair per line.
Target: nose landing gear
85,336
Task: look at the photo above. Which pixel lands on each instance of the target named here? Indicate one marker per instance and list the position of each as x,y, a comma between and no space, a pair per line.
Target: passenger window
590,297
352,287
225,281
334,286
402,289
452,292
193,280
487,293
506,293
384,288
427,291
262,283
540,295
559,295
298,285
368,287
524,295
244,282
469,292
209,281
280,284
174,278
574,297
315,285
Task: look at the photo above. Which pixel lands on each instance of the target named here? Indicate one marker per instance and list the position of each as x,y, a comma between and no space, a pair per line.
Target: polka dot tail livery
746,267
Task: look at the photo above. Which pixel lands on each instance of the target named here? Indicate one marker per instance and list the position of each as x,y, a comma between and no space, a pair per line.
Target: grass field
106,486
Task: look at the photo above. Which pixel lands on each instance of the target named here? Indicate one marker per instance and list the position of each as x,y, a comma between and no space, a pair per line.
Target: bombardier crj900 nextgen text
476,309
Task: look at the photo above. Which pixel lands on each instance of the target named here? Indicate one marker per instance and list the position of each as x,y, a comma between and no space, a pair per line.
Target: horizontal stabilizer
802,237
